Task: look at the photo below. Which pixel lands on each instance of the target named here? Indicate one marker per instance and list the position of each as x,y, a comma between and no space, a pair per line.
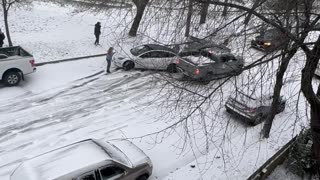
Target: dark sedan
269,40
252,110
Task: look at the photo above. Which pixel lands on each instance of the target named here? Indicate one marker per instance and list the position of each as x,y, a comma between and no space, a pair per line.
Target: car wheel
128,65
172,68
204,81
12,78
142,178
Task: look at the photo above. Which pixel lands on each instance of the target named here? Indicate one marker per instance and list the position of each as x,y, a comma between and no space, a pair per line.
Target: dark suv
269,40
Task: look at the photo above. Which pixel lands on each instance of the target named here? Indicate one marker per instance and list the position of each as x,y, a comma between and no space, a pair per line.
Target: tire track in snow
78,112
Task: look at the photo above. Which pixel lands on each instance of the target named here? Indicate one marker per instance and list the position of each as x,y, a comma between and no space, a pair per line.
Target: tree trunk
248,17
141,5
5,17
204,12
312,59
225,9
315,131
188,23
276,93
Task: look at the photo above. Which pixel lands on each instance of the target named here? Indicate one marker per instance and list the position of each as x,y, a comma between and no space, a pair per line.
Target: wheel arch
129,60
12,70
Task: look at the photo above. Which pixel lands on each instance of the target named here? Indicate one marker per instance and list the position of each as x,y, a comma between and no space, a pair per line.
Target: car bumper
117,63
191,75
257,46
236,112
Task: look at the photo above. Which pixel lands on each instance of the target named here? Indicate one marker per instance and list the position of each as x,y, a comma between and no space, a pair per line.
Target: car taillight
197,72
32,63
252,109
178,61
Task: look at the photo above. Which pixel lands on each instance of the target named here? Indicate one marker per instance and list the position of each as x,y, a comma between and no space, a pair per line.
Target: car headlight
267,43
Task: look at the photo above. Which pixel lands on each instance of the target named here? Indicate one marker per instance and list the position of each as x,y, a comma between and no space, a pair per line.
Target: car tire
172,68
144,177
204,81
12,78
128,65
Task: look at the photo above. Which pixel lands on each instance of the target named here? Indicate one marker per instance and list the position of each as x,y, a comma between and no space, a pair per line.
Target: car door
112,172
150,60
144,60
163,59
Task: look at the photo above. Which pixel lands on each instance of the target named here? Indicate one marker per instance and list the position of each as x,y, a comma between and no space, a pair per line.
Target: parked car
198,45
87,160
15,63
252,110
149,56
205,66
269,40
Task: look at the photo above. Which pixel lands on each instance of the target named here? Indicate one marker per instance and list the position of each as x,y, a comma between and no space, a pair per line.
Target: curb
69,59
278,158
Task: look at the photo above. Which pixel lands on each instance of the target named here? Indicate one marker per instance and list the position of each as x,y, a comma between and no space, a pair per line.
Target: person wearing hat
97,32
2,37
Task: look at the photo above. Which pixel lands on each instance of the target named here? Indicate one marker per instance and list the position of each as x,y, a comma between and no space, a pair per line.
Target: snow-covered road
53,109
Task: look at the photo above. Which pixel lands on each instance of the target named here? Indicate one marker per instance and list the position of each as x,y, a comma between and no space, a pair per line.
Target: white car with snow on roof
148,56
87,160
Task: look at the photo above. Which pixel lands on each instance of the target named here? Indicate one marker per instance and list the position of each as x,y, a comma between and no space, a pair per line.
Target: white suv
87,160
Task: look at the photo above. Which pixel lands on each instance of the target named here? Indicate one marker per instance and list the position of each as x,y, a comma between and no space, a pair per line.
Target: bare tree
6,5
204,12
311,51
140,5
189,15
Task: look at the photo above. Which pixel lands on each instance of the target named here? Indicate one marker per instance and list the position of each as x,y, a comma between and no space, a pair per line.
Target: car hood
135,155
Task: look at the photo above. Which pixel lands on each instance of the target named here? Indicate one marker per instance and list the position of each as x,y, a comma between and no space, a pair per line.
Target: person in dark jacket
110,54
2,37
97,32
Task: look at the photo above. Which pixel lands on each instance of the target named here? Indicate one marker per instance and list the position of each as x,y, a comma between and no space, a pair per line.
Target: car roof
63,161
160,47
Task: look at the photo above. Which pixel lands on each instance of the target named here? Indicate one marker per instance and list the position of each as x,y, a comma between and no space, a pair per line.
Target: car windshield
139,50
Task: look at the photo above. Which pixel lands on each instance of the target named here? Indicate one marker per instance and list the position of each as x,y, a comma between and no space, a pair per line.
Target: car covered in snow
252,110
269,40
149,56
205,66
87,160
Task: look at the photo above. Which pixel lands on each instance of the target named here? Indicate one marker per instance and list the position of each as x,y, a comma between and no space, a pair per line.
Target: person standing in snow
2,37
97,32
110,54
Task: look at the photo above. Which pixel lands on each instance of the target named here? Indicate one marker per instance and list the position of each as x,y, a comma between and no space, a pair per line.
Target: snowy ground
66,102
